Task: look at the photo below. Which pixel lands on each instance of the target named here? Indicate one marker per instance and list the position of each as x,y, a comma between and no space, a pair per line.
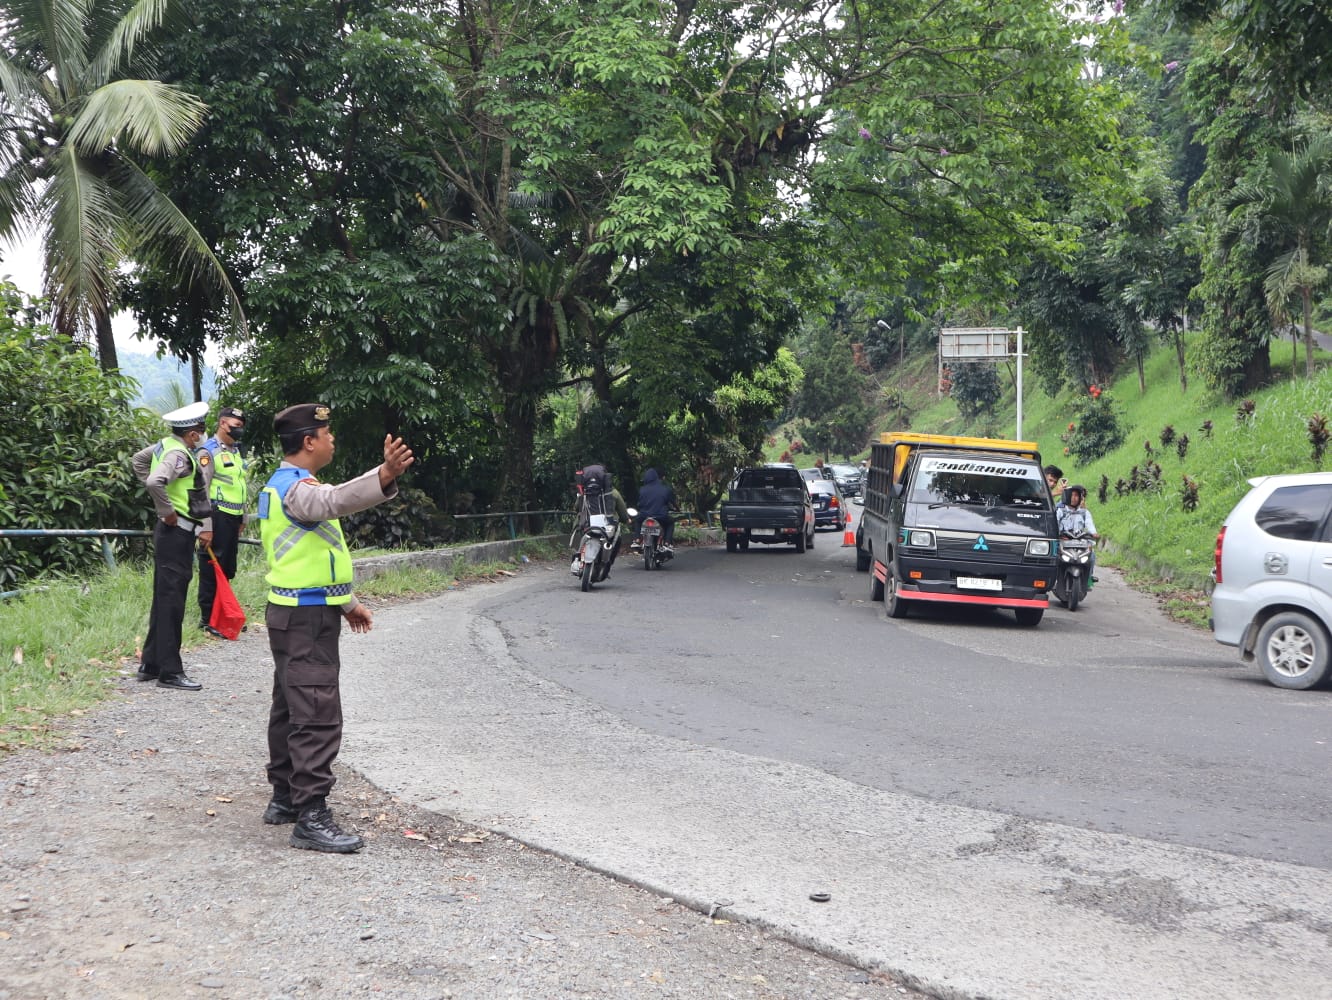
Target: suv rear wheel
1293,650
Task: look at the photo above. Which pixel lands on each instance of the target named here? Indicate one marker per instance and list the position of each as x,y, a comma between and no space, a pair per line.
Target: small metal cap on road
820,897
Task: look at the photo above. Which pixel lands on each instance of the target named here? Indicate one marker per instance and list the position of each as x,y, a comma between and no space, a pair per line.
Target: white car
1273,579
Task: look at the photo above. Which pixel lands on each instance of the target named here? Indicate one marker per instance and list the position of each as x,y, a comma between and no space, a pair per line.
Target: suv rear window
1295,511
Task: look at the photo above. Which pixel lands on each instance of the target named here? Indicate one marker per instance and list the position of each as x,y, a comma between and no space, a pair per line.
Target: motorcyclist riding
598,494
655,499
1076,519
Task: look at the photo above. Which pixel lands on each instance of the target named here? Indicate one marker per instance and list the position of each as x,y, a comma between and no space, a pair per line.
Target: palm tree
1291,205
72,117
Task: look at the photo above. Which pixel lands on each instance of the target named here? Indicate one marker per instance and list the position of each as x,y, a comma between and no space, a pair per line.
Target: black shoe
280,811
316,830
212,631
144,675
178,681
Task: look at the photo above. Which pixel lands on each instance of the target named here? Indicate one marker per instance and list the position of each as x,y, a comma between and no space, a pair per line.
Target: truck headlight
920,539
1039,547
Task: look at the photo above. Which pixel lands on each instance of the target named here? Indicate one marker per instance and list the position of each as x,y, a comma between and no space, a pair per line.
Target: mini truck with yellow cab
958,520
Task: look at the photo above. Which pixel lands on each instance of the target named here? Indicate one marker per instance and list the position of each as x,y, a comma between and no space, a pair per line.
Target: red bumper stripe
1003,602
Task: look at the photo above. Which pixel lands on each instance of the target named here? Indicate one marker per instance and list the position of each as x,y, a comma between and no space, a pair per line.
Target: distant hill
164,383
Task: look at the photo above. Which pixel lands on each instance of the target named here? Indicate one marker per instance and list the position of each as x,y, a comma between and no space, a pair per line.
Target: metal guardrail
106,535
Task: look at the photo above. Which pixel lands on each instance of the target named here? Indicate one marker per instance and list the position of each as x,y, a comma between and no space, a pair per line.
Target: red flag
228,616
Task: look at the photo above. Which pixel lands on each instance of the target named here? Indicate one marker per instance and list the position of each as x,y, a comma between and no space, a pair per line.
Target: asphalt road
1107,805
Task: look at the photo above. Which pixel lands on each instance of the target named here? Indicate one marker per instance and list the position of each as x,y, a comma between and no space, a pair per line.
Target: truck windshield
974,482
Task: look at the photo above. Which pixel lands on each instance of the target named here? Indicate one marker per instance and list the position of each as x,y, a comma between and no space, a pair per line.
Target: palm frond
18,88
162,234
149,116
64,40
115,44
84,240
18,199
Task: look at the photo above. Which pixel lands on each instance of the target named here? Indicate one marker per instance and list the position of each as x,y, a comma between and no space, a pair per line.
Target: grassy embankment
1149,534
67,642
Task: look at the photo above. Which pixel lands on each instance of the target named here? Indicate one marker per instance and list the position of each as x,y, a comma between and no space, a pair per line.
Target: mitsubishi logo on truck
980,545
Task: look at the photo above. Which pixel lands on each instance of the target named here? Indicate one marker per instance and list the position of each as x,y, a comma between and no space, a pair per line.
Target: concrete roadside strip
954,901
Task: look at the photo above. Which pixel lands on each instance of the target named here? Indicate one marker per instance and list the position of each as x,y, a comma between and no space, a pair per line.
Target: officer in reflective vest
310,592
227,493
177,480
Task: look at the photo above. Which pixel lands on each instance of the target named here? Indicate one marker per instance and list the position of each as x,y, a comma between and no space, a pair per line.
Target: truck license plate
763,531
980,583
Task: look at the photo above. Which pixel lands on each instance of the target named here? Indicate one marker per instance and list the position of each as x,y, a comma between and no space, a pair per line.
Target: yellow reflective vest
227,490
307,563
178,490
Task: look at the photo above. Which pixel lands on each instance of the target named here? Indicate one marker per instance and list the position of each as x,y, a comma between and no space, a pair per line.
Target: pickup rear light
832,502
1220,539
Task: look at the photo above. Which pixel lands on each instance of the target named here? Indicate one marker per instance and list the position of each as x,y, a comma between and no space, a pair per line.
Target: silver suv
1273,576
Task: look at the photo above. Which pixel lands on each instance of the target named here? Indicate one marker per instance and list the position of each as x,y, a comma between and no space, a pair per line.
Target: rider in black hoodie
655,499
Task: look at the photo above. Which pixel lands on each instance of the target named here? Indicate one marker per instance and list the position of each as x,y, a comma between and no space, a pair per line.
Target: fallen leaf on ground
210,812
18,655
413,835
221,798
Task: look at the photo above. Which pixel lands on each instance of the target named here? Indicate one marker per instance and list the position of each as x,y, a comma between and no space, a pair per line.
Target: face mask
236,433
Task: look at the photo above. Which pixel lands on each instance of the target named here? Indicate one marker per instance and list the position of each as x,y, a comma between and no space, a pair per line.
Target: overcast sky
21,263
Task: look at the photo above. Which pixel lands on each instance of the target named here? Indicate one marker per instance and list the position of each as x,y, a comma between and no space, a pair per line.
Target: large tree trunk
523,367
106,341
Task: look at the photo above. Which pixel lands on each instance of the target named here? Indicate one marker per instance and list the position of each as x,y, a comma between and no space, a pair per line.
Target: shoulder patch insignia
203,457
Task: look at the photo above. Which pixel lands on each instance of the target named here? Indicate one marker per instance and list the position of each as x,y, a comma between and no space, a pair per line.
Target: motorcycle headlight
1038,547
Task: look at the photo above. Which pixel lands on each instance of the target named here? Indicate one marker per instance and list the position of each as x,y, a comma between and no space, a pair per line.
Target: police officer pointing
310,592
177,480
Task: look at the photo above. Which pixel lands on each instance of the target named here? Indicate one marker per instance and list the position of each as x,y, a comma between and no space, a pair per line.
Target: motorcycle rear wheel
587,577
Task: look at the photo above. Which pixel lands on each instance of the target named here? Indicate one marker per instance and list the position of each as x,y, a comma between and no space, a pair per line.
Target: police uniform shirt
175,464
311,501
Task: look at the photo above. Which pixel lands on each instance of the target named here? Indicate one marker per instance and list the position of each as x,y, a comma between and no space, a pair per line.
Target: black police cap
301,417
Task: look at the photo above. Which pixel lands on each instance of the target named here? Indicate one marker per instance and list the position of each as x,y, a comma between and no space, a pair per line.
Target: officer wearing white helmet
177,480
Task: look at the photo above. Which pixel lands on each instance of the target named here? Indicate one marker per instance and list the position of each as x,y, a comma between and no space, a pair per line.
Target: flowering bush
1095,429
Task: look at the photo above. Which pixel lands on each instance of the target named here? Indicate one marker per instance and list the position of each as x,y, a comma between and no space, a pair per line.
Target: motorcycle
655,551
596,550
1074,573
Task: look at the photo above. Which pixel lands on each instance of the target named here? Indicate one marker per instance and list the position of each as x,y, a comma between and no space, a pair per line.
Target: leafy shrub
65,444
408,521
1188,494
1318,435
1096,429
1167,435
975,389
1103,489
1206,428
1182,446
1244,412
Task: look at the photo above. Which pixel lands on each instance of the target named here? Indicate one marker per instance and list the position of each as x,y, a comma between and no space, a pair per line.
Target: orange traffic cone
849,534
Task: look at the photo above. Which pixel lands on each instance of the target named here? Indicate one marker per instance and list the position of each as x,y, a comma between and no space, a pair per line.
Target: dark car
848,479
829,507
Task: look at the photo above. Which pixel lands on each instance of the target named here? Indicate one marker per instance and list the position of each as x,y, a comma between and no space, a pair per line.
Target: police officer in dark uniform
310,593
227,493
177,480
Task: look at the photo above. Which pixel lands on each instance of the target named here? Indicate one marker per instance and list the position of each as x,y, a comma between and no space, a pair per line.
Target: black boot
280,811
316,830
